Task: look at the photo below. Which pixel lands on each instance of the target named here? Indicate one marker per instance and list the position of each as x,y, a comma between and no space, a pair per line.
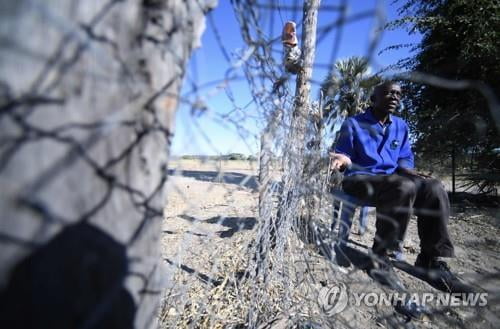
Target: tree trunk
303,85
88,94
294,166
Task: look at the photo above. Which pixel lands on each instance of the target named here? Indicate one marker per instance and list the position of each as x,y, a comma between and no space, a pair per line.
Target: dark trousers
396,198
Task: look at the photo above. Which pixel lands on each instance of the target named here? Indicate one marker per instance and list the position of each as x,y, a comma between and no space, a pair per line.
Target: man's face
387,98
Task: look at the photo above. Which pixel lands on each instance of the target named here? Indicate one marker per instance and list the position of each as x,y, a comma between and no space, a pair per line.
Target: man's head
386,97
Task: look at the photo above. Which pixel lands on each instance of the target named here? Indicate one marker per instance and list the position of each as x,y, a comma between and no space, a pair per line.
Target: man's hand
413,172
339,161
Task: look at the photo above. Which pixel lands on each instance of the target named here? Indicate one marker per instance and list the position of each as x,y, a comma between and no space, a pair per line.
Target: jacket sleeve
345,143
406,159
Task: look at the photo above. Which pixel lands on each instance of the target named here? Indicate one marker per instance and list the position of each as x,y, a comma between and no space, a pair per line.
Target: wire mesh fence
282,271
87,114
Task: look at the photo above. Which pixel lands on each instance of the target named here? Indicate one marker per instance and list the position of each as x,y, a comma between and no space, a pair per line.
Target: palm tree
346,89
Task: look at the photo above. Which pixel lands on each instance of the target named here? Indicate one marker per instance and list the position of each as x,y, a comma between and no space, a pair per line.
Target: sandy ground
212,209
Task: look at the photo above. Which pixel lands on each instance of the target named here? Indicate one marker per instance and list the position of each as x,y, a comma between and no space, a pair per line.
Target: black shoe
437,273
383,272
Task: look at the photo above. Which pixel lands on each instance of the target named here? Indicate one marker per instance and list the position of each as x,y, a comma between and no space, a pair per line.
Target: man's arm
406,163
406,158
341,156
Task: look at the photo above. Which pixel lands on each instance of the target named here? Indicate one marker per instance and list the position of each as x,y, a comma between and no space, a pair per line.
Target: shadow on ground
345,256
201,276
76,280
246,181
235,224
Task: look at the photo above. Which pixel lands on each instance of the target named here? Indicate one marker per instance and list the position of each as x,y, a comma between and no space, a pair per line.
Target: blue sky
215,127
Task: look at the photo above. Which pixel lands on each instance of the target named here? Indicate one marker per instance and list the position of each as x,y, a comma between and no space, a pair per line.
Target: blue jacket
375,148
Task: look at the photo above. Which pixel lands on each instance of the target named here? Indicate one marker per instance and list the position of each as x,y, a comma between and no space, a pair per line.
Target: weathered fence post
303,85
300,110
294,166
88,97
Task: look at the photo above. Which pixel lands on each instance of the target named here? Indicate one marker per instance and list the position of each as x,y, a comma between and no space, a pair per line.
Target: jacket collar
369,116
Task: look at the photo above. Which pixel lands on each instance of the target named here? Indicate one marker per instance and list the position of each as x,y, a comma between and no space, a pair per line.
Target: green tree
460,40
347,89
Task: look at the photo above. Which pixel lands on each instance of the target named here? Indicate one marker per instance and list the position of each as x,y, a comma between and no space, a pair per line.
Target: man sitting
375,151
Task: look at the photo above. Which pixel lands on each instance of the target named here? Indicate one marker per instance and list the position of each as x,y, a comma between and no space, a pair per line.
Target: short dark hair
383,84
